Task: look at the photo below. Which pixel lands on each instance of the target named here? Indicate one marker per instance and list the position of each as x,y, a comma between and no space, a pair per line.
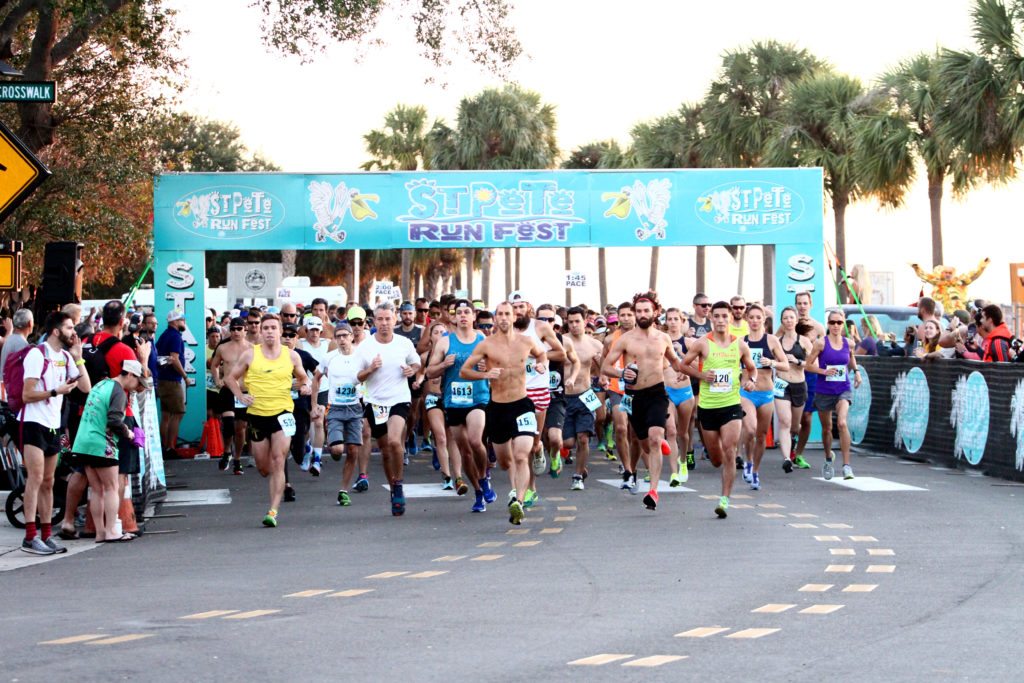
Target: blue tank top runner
462,393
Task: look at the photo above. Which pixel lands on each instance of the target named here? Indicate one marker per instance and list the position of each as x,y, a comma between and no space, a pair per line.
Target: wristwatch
53,393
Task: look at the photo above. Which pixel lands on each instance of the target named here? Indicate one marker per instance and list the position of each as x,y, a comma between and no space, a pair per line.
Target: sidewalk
11,555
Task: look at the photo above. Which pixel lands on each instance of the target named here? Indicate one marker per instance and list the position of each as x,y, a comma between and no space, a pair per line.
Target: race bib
430,402
210,384
527,422
461,394
627,404
531,366
780,387
554,380
380,413
590,400
755,355
287,422
239,404
344,395
723,381
840,375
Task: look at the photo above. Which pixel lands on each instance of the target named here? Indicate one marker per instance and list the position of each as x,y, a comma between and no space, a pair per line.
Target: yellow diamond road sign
20,172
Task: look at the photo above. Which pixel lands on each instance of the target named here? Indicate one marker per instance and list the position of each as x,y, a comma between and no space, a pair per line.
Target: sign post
20,172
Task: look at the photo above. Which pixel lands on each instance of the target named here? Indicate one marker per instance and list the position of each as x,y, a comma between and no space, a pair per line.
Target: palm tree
498,129
399,146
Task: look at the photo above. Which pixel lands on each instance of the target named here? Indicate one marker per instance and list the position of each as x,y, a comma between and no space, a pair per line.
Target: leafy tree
188,143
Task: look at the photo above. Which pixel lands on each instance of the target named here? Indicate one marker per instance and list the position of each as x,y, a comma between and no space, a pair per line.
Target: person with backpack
37,379
23,321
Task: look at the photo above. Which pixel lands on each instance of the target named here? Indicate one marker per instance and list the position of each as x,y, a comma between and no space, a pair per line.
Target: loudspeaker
62,273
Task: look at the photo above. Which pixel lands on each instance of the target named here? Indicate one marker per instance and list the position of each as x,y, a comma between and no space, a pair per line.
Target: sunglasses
289,315
739,308
836,322
340,335
237,329
253,322
485,326
705,305
290,335
423,310
546,320
356,322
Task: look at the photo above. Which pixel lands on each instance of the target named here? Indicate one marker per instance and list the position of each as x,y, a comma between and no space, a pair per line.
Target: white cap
314,323
558,320
132,367
517,297
175,314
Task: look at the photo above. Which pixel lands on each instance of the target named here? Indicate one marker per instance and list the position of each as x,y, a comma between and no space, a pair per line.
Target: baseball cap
407,307
613,319
463,303
175,314
478,304
343,327
558,320
518,297
963,316
273,309
291,327
314,323
132,367
356,313
237,321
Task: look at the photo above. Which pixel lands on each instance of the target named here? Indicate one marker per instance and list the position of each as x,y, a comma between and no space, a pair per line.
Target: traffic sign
28,91
20,172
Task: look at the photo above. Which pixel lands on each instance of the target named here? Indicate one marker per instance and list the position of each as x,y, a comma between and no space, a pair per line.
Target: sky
606,65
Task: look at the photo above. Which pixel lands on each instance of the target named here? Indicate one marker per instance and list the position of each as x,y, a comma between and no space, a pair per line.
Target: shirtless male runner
232,415
718,408
620,421
645,349
581,401
510,415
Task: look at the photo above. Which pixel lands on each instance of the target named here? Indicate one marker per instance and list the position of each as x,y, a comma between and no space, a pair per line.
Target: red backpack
14,376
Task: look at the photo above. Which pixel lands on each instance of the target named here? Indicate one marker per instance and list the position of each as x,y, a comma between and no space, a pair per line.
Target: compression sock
45,530
30,530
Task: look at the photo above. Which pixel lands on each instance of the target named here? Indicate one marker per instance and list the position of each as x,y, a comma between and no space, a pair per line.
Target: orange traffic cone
212,440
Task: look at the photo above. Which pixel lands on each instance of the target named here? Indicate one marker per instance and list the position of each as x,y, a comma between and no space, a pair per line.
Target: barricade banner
958,413
150,485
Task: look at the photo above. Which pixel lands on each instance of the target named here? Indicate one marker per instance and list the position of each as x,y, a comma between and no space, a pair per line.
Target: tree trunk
568,267
350,275
288,263
508,270
839,203
364,291
935,204
519,255
37,122
602,279
457,279
652,280
701,274
405,281
430,284
485,277
470,258
768,273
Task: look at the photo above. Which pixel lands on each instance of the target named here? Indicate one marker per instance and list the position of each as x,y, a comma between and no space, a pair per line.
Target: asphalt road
806,580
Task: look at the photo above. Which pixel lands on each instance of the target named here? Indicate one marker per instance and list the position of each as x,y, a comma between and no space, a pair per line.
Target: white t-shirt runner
387,386
60,369
342,384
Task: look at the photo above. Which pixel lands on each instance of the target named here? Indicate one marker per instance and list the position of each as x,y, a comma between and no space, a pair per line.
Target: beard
522,323
644,323
66,342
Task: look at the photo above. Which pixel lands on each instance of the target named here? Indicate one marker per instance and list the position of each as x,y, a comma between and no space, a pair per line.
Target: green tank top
725,390
92,437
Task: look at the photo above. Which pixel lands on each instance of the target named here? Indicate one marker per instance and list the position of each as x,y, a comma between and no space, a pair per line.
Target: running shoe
625,479
847,472
556,466
362,484
460,486
405,459
236,467
609,455
787,465
37,547
344,499
314,467
531,498
651,500
739,463
270,519
540,462
673,480
511,496
684,471
827,471
224,461
489,495
478,505
748,469
722,509
515,512
755,482
691,462
567,460
577,483
647,477
800,463
307,458
289,494
621,470
397,501
57,548
634,487
447,484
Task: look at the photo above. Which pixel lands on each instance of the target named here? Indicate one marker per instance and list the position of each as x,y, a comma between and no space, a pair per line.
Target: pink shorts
541,398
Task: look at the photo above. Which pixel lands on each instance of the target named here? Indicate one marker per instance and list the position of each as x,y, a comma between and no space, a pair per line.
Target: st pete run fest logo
477,212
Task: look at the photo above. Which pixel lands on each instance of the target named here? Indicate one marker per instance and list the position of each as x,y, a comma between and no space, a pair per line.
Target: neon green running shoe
271,519
344,499
684,471
531,498
515,512
556,465
723,506
801,464
673,480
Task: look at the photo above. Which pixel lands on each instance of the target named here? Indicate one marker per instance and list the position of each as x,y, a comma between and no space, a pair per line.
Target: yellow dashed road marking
804,526
838,526
655,660
881,568
772,608
492,544
827,538
881,551
73,639
864,539
841,568
567,508
487,558
842,551
351,593
702,632
771,515
253,614
815,587
821,609
753,633
210,615
517,532
860,588
310,593
598,660
526,544
122,639
386,575
551,530
427,574
449,558
564,519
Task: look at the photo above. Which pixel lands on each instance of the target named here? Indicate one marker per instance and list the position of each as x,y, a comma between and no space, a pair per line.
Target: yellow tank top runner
725,390
270,383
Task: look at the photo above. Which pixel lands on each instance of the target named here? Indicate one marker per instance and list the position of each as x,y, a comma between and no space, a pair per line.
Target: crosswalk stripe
252,614
448,558
526,544
655,660
386,575
821,609
492,544
121,639
209,615
804,525
881,551
487,558
427,574
827,538
551,530
881,568
351,593
841,568
753,633
564,519
310,593
860,588
598,660
842,551
772,608
864,539
815,587
702,632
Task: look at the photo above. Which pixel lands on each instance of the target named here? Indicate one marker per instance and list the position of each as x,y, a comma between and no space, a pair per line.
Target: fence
958,413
